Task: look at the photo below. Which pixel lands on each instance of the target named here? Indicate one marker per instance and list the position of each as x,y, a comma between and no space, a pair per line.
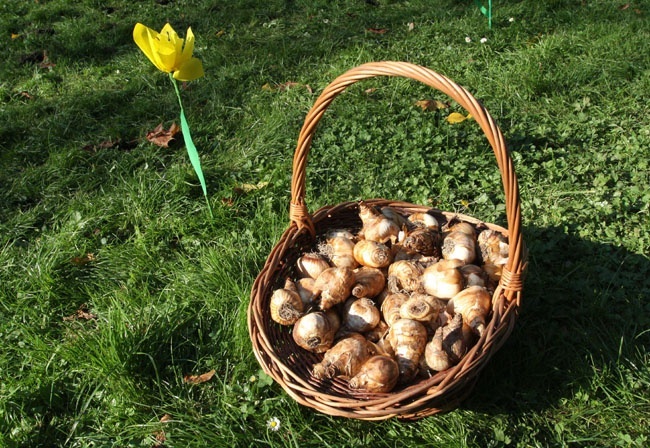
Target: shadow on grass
584,309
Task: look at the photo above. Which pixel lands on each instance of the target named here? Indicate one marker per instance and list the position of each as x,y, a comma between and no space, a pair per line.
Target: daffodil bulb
338,248
408,338
443,279
286,306
376,226
423,219
311,265
404,275
314,332
379,374
372,254
458,245
368,282
335,286
474,304
360,314
345,358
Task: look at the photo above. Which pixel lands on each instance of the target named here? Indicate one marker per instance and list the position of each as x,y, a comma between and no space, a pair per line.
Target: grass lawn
116,285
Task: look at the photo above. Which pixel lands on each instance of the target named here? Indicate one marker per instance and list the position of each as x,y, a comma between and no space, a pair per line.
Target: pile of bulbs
400,298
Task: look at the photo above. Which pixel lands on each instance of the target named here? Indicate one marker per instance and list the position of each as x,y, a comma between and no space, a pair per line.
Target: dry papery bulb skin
311,265
314,332
368,282
372,254
307,292
376,226
404,275
360,315
334,320
435,356
395,216
453,341
422,307
493,246
443,279
378,332
408,338
286,305
345,358
391,306
379,374
338,247
335,286
474,304
426,220
423,241
460,243
494,249
473,275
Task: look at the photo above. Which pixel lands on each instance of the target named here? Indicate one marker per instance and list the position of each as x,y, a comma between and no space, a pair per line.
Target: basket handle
299,214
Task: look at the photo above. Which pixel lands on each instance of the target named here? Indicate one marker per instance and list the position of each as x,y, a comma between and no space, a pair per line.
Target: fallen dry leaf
82,314
432,105
411,25
165,418
46,63
456,117
220,33
161,438
198,379
247,188
370,90
377,30
164,138
83,260
15,36
228,202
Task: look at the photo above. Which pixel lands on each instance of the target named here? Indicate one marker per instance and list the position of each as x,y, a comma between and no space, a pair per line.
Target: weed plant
116,286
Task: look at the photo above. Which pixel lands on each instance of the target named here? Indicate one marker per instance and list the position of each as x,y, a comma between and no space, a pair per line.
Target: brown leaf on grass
198,379
164,138
377,30
431,105
15,36
165,418
161,438
228,202
46,63
26,94
83,260
83,313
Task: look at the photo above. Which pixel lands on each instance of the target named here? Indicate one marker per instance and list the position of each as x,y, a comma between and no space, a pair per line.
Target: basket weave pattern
289,365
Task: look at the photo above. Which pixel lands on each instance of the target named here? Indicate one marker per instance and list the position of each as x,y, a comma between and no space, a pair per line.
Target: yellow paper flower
167,52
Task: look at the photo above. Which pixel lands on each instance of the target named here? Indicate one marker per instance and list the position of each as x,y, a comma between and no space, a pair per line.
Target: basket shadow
584,308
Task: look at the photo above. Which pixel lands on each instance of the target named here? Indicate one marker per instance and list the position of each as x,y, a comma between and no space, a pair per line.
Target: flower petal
170,48
146,39
190,70
188,48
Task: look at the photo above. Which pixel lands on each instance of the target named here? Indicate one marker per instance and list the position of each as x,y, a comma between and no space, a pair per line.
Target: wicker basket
290,365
